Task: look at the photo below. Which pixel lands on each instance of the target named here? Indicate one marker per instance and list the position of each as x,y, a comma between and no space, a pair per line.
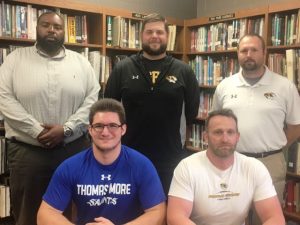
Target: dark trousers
31,168
165,176
166,169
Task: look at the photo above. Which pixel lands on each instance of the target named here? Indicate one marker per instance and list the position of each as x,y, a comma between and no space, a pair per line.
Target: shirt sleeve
192,95
150,184
11,108
181,183
264,187
80,118
113,85
293,105
59,193
216,104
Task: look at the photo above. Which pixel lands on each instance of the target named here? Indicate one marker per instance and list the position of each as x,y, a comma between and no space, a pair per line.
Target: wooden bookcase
72,8
289,45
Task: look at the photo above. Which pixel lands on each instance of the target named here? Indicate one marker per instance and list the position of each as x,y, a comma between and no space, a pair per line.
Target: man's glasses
99,127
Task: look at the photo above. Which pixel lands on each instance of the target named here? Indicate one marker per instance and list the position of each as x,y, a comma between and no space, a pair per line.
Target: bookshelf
72,8
283,39
123,39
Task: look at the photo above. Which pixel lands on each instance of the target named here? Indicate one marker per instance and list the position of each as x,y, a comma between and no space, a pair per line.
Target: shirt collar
61,54
265,80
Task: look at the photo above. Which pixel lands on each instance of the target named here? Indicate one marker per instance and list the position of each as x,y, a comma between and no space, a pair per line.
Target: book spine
109,30
71,29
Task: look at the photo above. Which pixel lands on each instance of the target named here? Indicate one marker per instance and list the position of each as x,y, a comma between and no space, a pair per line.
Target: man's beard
104,150
49,46
249,66
218,150
154,52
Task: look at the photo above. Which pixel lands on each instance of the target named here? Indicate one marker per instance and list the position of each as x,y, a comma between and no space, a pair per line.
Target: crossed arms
48,215
179,211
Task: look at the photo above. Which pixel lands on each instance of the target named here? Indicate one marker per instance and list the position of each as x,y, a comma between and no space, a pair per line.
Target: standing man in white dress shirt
45,95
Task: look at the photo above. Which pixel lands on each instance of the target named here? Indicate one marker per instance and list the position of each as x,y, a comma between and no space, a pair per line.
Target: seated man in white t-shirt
219,185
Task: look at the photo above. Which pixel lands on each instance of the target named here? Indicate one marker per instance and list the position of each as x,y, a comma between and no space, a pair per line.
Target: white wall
219,7
184,9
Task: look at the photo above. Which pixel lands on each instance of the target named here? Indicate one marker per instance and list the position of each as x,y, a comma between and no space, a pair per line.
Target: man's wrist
67,131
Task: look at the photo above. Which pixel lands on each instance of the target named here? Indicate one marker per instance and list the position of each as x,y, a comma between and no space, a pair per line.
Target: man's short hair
222,112
263,44
155,17
107,105
49,13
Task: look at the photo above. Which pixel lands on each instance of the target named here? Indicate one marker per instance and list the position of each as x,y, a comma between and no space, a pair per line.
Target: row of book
205,105
292,187
277,63
4,201
285,29
225,35
102,64
19,21
287,64
5,51
123,32
211,71
126,33
292,196
196,139
172,37
293,158
76,29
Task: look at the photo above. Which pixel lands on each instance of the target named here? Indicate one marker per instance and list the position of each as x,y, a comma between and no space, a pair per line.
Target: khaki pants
276,166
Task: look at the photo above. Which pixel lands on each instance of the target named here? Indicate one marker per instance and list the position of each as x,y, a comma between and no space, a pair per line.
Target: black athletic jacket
153,112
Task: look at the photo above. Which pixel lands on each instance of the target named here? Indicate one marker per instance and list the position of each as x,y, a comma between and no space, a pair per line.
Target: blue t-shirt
119,192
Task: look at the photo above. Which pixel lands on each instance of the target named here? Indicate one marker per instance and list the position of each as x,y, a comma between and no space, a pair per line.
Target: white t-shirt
221,197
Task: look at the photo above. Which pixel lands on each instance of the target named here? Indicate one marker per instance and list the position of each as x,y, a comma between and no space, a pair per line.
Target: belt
15,141
261,154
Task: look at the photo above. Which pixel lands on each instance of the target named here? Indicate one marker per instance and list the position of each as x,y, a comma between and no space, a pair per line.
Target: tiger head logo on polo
172,79
269,95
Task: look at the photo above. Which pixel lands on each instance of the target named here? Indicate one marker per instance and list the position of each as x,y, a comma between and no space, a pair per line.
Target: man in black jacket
156,91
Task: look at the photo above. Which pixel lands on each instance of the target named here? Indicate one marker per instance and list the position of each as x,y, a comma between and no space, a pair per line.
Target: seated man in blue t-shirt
109,182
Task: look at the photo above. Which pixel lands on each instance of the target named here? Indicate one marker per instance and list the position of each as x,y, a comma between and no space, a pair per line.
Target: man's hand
100,221
51,136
